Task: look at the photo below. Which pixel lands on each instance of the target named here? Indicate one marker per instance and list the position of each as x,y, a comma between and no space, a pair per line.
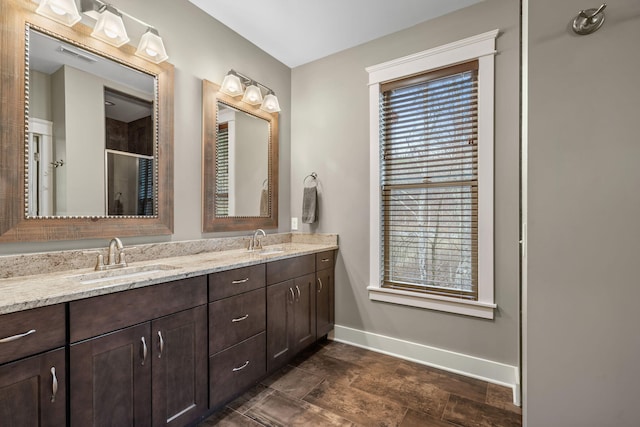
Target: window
432,178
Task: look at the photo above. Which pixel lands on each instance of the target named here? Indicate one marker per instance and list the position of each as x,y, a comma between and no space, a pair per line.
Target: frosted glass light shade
151,47
110,28
62,11
231,85
270,103
252,95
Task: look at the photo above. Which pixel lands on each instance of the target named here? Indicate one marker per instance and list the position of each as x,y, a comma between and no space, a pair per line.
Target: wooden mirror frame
210,97
16,16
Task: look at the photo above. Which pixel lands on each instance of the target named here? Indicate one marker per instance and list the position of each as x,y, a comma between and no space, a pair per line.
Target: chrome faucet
254,241
115,256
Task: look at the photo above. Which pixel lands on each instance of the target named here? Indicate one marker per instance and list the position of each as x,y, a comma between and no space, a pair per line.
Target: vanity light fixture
270,103
110,27
252,94
151,47
231,85
236,84
62,11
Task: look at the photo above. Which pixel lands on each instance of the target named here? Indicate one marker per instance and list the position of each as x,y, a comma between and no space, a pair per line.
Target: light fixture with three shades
109,26
236,84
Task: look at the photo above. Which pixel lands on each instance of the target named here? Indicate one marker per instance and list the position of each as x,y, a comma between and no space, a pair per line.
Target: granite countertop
37,290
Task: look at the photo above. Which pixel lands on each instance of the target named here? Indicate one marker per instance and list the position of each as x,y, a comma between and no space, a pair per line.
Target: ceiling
299,31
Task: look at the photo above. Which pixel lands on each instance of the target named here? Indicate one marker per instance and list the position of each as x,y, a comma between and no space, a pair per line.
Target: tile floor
334,384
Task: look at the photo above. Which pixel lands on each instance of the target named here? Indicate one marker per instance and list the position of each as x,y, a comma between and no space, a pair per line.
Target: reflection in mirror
240,164
86,114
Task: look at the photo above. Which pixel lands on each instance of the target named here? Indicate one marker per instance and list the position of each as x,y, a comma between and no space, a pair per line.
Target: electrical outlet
294,223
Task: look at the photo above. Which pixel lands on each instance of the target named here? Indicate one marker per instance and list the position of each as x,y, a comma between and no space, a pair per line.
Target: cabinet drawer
95,316
235,319
324,260
235,369
16,338
233,282
279,271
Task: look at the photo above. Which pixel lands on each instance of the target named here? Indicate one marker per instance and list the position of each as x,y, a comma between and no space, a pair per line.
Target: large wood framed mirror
87,134
239,164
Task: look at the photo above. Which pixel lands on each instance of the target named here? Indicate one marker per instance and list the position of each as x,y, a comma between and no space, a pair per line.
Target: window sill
433,302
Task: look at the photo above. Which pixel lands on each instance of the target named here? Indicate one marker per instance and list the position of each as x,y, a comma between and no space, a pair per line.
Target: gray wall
200,48
330,134
582,340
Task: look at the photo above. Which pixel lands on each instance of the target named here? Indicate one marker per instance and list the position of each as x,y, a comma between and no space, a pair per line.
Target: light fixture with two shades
109,26
236,84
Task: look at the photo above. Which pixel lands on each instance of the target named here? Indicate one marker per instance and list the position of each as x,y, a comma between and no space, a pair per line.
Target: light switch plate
294,223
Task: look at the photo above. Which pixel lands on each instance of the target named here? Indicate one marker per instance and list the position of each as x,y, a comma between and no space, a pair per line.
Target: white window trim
481,47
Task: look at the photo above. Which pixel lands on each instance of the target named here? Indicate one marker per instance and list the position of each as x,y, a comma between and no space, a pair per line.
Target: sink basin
121,273
270,251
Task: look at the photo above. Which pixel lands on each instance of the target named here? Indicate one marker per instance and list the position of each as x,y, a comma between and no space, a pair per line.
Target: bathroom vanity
164,342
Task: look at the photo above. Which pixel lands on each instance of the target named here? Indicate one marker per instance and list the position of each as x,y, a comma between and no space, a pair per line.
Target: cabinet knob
298,289
237,282
293,297
320,282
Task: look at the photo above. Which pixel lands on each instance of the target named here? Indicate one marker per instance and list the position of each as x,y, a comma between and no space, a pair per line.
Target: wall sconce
62,11
109,26
233,84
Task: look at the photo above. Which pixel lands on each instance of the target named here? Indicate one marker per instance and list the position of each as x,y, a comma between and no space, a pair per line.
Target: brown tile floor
334,384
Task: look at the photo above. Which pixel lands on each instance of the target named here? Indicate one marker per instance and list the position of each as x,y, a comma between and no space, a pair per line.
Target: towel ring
311,175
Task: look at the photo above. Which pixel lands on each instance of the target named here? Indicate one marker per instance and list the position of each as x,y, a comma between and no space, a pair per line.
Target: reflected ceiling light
235,84
270,103
110,28
151,47
252,94
62,11
231,85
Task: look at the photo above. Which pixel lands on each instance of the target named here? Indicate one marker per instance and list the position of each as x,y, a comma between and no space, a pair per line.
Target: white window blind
429,182
222,170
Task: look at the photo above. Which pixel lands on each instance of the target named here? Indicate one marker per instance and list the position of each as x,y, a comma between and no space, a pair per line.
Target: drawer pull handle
160,344
240,368
325,260
54,385
237,282
144,350
240,319
293,297
320,282
17,337
298,289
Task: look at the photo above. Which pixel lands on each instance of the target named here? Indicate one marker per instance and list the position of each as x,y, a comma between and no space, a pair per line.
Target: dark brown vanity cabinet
32,383
139,357
291,308
237,336
325,307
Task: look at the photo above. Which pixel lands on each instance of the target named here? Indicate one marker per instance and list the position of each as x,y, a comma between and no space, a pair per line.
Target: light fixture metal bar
248,79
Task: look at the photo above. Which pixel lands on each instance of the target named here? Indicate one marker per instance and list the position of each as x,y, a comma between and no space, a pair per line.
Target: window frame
481,48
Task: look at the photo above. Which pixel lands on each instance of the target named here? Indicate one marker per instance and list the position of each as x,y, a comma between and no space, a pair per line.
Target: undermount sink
270,251
121,273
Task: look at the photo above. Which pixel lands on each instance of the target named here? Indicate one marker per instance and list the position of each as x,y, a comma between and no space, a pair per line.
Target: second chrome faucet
115,256
255,242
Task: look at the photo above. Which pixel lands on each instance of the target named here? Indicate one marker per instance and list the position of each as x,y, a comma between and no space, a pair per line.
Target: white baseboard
470,366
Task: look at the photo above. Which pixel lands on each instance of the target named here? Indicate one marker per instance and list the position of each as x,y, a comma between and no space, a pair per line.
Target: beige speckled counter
37,290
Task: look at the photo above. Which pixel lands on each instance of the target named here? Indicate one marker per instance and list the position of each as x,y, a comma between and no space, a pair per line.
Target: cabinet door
33,392
110,379
324,302
179,367
304,311
280,300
